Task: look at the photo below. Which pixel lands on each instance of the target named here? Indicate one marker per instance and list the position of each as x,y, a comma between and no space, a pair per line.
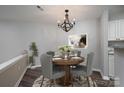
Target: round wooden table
65,64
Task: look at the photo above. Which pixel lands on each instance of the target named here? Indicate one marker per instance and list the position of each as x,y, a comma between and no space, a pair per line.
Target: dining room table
66,64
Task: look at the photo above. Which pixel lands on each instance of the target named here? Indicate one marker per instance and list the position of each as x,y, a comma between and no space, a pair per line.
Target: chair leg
54,82
88,81
51,82
72,80
77,80
42,81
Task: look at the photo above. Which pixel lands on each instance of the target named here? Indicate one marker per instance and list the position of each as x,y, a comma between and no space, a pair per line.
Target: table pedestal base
67,79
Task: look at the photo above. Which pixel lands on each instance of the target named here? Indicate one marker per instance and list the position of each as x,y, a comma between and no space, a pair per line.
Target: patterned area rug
77,83
33,78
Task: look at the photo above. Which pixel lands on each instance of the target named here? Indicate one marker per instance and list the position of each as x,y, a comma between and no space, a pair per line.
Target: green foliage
34,53
34,49
65,48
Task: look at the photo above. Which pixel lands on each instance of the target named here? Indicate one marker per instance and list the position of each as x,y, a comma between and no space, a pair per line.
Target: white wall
11,40
17,37
104,43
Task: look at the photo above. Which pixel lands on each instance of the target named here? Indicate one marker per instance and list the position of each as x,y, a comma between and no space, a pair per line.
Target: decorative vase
66,55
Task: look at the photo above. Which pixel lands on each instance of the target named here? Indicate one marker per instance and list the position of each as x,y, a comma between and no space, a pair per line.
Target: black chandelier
66,25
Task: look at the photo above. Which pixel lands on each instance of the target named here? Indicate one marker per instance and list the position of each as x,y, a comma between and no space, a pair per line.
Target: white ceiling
53,13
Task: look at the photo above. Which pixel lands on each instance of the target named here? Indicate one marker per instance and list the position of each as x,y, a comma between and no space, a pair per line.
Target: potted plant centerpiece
34,53
65,50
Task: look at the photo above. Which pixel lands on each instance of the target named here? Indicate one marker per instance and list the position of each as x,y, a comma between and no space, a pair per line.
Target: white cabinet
121,29
116,30
112,30
111,65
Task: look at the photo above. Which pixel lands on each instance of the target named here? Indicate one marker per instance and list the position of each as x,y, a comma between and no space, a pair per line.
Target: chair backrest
52,53
76,52
89,63
47,67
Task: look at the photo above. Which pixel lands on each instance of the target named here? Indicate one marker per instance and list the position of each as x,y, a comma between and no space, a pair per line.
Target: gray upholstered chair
48,71
52,53
77,52
84,70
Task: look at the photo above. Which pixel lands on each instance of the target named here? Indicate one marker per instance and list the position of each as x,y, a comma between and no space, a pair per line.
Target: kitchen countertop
116,40
116,43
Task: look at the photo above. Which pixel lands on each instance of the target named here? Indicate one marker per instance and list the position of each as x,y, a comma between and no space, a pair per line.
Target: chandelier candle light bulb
58,21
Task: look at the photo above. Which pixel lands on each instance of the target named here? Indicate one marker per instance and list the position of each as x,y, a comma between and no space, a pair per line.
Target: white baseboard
94,69
18,82
116,81
106,78
33,67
